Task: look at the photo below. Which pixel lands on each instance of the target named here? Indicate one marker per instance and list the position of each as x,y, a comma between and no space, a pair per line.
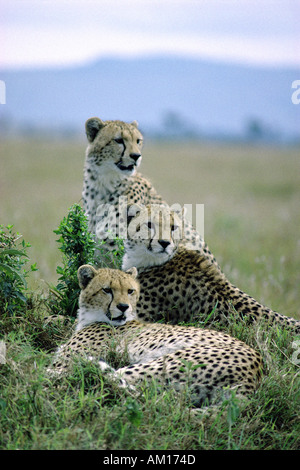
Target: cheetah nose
164,243
135,156
123,307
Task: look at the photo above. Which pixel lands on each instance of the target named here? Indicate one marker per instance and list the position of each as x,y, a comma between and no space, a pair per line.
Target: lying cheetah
111,181
179,284
204,361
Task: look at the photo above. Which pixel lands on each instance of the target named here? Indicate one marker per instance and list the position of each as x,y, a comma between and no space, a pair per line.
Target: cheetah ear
133,272
92,127
135,124
85,274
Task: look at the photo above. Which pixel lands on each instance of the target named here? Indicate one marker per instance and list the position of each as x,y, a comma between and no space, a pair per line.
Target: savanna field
251,196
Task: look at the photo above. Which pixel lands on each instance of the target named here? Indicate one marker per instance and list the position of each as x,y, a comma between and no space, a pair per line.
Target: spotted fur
177,284
111,182
205,361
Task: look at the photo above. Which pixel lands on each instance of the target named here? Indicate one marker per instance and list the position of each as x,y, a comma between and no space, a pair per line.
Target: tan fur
183,285
206,361
110,173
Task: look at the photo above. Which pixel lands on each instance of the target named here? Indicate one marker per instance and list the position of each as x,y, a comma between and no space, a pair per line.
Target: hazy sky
65,32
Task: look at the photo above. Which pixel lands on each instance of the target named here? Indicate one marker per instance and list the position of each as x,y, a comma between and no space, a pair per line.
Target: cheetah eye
107,290
174,227
119,141
138,141
150,225
130,291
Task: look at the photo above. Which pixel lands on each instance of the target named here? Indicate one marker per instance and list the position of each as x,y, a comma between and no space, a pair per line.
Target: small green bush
13,274
78,248
110,258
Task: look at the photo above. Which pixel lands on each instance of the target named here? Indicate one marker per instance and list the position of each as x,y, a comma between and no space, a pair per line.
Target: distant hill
168,96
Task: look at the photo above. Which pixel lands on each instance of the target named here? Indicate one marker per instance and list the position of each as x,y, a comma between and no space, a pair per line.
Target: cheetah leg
122,383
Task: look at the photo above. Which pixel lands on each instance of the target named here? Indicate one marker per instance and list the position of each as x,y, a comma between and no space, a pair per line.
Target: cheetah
202,361
111,181
177,284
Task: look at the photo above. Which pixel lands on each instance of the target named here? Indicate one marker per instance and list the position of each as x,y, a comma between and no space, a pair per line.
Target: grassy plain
251,196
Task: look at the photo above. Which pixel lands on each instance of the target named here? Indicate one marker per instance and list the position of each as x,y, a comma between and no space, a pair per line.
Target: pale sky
68,32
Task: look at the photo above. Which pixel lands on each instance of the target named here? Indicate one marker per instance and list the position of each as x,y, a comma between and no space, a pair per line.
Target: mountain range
166,95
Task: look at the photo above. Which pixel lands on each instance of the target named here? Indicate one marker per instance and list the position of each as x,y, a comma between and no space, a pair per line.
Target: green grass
250,194
87,411
252,219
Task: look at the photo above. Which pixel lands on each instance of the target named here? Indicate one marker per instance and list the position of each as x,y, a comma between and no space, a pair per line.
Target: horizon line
150,56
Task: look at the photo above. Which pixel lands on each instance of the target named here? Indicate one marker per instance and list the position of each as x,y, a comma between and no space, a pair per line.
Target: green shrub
13,274
78,248
106,258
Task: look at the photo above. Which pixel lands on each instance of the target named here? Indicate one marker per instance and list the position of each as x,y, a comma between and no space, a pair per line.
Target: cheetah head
107,295
115,146
153,235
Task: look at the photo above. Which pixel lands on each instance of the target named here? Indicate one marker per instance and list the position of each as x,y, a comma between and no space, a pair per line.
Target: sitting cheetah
203,360
179,284
111,181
